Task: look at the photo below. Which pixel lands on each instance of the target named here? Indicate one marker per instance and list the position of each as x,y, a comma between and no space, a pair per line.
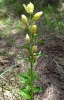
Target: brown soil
50,68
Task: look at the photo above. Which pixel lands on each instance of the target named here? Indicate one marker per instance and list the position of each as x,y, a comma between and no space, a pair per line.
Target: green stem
31,66
32,39
31,80
31,57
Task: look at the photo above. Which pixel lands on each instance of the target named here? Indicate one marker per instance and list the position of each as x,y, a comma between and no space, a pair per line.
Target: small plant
28,78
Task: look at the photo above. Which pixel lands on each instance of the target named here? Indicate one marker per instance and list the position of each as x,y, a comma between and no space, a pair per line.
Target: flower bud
34,48
27,39
26,52
29,8
33,29
24,19
34,57
24,26
37,15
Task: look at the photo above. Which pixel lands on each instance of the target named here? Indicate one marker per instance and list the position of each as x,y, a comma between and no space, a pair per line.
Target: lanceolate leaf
24,59
40,54
25,93
34,74
25,78
41,41
36,89
24,46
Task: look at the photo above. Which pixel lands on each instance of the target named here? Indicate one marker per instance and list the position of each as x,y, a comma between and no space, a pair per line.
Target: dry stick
59,66
14,76
3,91
9,69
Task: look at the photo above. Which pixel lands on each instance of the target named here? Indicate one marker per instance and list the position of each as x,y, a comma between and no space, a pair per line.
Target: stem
31,60
31,57
31,65
14,76
31,80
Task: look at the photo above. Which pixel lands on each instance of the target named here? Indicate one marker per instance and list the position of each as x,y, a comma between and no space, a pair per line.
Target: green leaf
25,93
36,89
24,46
25,78
41,41
39,54
44,55
36,35
23,59
34,74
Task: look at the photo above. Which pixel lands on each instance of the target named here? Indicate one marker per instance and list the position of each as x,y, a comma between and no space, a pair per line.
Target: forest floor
50,68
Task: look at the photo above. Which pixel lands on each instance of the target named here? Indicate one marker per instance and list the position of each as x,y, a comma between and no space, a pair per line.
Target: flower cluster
30,37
